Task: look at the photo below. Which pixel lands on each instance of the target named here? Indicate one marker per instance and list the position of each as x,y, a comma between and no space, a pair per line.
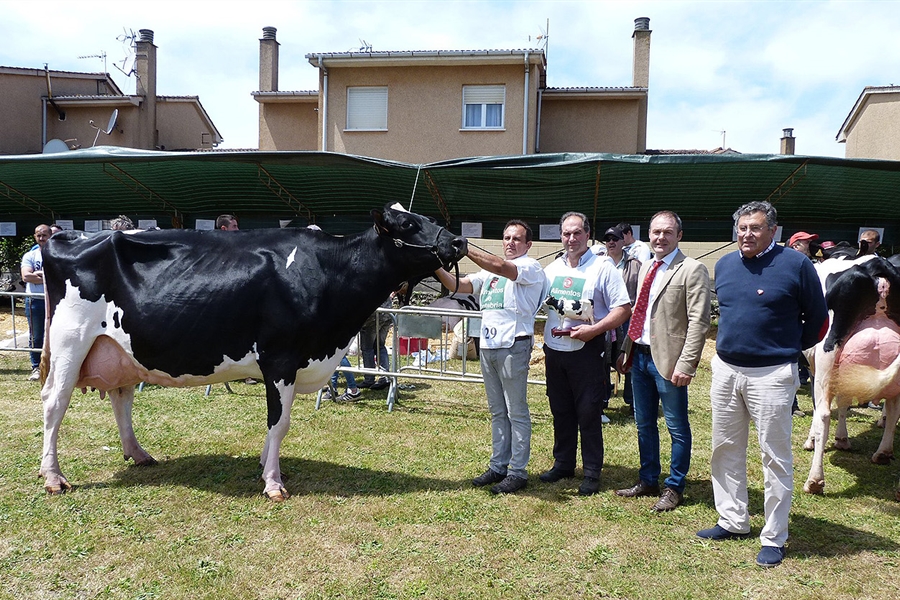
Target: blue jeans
650,388
35,313
505,373
351,380
369,341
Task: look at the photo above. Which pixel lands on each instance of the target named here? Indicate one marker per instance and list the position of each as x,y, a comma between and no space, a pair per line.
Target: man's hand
620,365
680,379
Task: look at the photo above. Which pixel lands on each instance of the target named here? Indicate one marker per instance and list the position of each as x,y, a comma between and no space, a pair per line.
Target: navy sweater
770,308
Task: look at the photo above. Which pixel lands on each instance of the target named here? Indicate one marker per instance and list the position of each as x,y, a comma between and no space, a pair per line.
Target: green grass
382,507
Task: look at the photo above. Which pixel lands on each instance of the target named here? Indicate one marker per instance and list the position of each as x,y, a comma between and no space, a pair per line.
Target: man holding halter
511,290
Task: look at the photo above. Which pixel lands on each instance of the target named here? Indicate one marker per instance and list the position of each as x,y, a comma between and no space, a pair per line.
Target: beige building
427,106
38,106
872,129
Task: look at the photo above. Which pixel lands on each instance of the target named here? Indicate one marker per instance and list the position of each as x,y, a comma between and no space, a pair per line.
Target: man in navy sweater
770,308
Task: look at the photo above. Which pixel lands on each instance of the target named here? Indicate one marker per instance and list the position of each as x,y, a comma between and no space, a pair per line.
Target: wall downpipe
324,104
525,116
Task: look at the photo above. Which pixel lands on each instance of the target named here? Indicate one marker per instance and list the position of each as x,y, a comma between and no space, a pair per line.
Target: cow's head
409,230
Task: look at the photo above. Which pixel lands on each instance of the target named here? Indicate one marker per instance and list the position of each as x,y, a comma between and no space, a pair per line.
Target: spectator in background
633,247
630,268
35,311
351,394
804,243
54,228
227,223
869,240
121,223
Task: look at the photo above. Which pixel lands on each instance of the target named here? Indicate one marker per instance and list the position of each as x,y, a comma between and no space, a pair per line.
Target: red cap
802,235
827,244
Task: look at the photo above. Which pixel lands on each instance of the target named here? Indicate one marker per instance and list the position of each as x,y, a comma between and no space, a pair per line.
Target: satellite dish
54,146
109,127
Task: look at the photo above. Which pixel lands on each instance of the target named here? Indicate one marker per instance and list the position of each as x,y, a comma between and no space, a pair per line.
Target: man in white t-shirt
577,370
634,248
511,290
33,276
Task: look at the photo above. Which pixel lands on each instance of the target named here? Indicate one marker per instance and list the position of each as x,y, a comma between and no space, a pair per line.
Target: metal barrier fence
412,323
409,323
12,344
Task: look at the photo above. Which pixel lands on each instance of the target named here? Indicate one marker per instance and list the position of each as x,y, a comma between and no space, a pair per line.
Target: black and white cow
859,359
187,308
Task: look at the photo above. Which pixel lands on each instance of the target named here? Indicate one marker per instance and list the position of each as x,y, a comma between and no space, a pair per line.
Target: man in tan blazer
662,351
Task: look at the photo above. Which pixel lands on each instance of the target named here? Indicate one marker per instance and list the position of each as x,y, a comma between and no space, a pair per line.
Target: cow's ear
380,226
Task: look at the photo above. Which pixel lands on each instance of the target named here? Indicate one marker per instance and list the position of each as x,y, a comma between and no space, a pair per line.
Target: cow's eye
407,226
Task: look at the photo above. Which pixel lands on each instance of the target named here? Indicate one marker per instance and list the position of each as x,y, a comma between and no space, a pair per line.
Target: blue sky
749,69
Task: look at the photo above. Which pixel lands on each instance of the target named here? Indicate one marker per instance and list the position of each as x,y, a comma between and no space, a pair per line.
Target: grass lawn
383,507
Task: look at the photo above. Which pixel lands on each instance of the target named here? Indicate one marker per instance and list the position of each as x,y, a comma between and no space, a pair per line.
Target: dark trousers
577,387
35,315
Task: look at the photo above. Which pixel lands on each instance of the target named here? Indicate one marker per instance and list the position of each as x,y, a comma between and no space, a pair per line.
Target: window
367,108
483,106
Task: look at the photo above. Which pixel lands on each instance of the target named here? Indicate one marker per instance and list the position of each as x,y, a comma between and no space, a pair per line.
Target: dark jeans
650,388
35,313
577,389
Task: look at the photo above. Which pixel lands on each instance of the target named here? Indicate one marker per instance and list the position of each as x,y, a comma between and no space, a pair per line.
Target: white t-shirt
33,259
595,278
508,307
639,250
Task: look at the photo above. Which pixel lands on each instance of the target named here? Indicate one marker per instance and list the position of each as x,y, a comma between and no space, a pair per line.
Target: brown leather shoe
669,500
639,489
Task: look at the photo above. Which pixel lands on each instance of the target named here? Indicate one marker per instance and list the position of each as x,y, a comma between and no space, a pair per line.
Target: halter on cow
187,308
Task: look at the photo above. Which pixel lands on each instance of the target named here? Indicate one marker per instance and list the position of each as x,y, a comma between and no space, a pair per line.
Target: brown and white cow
859,359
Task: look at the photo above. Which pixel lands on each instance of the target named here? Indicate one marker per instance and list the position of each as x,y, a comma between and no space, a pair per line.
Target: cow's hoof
279,495
58,489
809,444
882,458
814,487
842,443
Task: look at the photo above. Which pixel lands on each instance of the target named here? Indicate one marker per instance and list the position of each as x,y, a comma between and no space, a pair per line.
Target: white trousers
763,395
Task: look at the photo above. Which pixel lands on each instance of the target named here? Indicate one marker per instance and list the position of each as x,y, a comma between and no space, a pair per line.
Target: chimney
641,61
787,141
145,71
268,61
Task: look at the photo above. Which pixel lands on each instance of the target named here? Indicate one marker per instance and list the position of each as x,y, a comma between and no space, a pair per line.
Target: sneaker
770,556
250,381
364,383
799,413
604,419
720,533
488,477
348,396
510,484
326,393
35,375
875,406
380,383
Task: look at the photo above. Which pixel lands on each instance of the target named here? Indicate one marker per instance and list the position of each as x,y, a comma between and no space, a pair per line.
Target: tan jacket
679,316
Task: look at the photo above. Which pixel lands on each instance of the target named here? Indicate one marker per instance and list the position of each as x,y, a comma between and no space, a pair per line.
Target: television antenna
101,56
722,133
543,40
364,46
128,39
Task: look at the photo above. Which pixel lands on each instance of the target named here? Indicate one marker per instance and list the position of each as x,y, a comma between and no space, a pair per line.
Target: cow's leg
815,482
841,437
279,399
885,451
122,400
67,352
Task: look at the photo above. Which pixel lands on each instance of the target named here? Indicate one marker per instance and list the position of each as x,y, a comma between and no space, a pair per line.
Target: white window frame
367,108
484,96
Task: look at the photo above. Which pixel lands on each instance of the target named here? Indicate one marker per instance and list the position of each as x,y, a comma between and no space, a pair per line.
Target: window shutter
367,107
484,94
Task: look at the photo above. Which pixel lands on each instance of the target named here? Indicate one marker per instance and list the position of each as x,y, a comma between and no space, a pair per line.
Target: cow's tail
45,349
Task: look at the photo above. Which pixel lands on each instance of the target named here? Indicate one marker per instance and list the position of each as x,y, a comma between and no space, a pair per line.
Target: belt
522,338
641,348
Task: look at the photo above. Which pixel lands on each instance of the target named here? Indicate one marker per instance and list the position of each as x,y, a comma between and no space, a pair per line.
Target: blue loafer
770,556
720,533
